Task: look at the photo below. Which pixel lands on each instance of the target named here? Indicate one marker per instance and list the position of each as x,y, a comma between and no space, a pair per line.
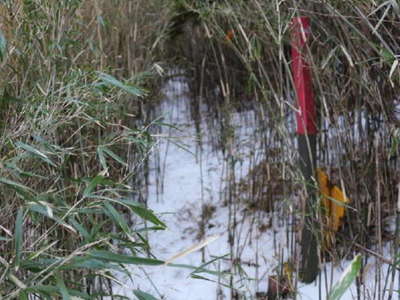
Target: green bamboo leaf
37,265
35,152
90,263
10,99
12,165
51,292
45,211
46,291
143,296
148,215
110,80
114,156
39,252
143,212
346,279
124,259
197,270
201,268
82,230
3,46
23,295
21,189
77,263
102,158
140,210
62,288
120,297
195,276
18,236
116,216
94,182
387,56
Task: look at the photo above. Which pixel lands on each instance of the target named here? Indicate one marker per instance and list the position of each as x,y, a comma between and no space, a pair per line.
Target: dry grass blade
193,248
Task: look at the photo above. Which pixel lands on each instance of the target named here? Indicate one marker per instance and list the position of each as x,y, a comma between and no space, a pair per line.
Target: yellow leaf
324,188
333,201
338,210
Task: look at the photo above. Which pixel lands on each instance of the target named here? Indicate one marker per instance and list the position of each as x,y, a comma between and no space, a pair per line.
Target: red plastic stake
306,116
306,129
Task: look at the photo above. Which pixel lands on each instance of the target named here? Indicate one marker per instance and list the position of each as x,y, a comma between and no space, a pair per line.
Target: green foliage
143,296
347,278
64,174
86,221
18,237
110,80
3,46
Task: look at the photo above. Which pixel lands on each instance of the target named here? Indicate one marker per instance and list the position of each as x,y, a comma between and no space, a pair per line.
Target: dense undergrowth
77,75
68,127
239,54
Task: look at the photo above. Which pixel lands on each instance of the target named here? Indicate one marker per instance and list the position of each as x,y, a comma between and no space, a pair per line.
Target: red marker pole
306,130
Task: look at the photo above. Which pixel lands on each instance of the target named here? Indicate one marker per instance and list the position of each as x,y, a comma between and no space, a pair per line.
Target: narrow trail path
188,188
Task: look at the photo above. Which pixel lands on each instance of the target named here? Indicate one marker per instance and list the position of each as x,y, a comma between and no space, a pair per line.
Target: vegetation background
80,78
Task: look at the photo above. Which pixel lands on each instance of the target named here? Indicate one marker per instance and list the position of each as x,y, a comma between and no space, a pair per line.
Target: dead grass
66,135
354,56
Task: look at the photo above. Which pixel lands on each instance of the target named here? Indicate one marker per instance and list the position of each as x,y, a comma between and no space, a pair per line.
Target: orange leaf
230,35
324,187
338,210
332,199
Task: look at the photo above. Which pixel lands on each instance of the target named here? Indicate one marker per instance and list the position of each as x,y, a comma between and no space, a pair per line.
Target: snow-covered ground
190,186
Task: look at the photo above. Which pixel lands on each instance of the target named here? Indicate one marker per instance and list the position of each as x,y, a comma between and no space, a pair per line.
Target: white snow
193,178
